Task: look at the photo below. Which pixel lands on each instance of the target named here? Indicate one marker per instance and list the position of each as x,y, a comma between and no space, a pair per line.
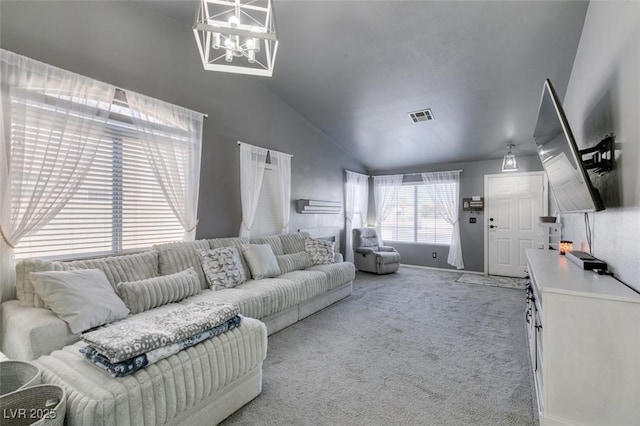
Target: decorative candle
566,246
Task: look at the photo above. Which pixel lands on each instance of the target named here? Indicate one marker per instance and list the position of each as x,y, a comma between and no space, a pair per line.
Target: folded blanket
125,340
130,366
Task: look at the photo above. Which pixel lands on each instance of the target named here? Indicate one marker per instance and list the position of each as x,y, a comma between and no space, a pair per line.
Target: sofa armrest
28,333
364,250
386,248
337,257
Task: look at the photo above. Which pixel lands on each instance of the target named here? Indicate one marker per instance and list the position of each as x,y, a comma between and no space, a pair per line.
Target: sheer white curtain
282,166
253,161
62,116
446,201
356,200
172,141
385,192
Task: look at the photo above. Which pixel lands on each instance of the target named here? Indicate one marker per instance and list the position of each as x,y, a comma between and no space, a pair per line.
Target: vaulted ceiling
355,69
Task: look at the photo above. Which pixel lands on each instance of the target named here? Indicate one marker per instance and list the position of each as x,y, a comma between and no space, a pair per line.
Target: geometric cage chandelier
237,36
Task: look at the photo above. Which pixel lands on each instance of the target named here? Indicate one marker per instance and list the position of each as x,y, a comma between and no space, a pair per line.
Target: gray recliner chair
369,256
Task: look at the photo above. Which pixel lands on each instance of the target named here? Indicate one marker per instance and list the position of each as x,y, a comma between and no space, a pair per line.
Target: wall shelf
305,206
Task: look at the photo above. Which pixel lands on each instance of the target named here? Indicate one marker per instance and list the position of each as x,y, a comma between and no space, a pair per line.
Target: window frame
118,129
416,185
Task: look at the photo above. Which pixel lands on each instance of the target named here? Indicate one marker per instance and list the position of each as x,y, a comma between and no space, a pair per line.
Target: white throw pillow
82,298
261,260
143,295
222,267
321,251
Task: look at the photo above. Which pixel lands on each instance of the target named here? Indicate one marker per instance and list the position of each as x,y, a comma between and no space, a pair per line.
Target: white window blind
118,208
414,217
268,220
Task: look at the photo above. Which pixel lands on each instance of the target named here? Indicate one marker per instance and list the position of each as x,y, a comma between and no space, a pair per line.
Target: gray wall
603,96
471,234
131,47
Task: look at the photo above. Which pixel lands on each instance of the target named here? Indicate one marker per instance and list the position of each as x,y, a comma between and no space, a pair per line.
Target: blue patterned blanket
131,365
125,340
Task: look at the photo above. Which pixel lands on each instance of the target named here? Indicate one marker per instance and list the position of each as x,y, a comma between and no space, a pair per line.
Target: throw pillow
222,267
321,251
261,260
142,295
82,298
294,262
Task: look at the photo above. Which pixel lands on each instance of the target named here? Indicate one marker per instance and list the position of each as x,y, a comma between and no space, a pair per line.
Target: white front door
513,203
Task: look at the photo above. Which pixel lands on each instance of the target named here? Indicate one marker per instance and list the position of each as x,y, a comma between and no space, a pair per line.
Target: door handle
492,226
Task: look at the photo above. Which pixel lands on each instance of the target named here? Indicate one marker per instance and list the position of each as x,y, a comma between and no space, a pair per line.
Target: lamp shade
509,162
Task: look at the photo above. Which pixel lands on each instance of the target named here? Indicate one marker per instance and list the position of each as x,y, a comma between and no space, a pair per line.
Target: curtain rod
268,149
434,171
356,173
416,174
142,94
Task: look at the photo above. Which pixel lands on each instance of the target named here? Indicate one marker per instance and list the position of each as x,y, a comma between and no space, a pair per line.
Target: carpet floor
492,280
410,348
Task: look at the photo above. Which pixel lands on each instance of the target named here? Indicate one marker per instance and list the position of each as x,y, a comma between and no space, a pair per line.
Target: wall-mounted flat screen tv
561,159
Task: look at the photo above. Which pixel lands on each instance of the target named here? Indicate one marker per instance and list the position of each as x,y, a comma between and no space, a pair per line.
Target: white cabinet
584,337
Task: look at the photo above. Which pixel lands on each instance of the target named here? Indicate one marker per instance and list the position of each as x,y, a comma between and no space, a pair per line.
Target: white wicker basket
16,375
42,405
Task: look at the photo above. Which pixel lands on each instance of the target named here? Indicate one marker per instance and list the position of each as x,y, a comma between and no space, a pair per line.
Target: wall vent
422,115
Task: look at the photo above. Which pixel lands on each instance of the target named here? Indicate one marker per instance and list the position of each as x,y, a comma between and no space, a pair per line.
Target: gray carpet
492,280
411,348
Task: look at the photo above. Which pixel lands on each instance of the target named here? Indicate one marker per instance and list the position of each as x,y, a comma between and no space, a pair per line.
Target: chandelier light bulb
234,21
228,55
216,41
252,56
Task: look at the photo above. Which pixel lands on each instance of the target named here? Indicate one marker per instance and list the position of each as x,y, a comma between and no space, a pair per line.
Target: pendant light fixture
509,163
237,36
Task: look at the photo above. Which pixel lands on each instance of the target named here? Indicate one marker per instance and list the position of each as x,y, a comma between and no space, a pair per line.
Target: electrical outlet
472,220
434,254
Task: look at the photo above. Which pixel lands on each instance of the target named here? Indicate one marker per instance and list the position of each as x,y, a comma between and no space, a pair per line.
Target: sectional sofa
200,385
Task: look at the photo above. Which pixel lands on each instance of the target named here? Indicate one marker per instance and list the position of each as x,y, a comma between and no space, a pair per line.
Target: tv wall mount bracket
599,158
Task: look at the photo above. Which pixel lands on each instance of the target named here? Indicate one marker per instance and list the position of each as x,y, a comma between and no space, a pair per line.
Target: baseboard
462,271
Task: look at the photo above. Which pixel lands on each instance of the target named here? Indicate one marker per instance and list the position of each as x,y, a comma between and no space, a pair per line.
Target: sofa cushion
236,242
222,267
273,241
309,283
83,299
142,295
248,302
179,256
261,260
130,267
294,242
275,294
337,273
321,251
293,262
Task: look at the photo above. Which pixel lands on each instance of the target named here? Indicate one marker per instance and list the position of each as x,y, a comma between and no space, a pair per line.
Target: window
268,220
119,207
414,217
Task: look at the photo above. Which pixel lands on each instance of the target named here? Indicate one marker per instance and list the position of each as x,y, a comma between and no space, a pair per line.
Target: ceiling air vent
422,115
